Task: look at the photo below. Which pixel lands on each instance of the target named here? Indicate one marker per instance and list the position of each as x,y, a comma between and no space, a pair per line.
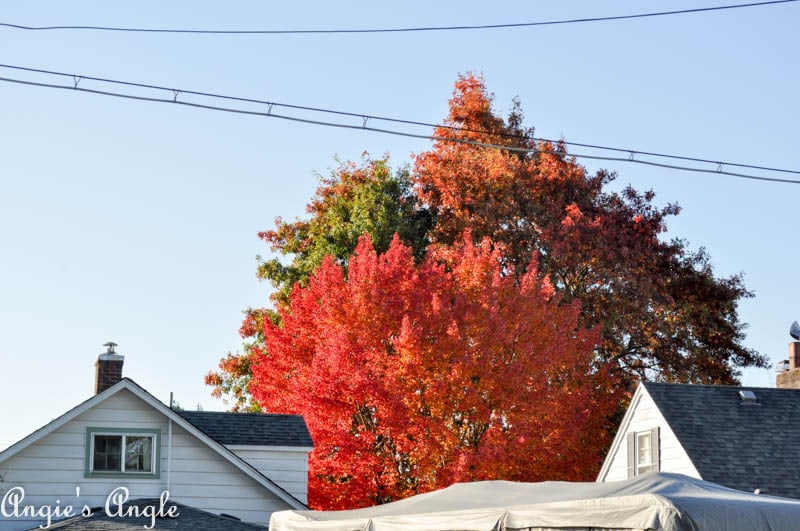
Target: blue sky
136,222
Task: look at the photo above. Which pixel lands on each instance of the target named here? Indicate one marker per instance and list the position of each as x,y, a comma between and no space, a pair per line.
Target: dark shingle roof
251,428
741,446
188,518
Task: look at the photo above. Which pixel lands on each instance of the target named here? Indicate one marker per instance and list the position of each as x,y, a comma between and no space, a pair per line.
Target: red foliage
501,349
411,377
663,313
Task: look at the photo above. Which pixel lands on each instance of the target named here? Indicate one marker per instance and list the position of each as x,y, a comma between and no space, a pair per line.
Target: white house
745,438
242,465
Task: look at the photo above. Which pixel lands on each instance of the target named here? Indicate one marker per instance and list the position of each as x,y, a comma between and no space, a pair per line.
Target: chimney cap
109,347
110,354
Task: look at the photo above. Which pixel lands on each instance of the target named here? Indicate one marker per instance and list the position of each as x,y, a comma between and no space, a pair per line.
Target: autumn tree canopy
550,235
663,313
411,377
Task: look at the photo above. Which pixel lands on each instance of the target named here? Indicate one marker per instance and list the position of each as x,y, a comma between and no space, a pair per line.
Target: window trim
155,472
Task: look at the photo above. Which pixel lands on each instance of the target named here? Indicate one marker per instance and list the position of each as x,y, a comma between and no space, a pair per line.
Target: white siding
285,466
643,415
52,468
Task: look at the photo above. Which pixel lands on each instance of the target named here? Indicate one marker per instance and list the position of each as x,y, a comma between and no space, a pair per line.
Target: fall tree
664,315
655,310
411,377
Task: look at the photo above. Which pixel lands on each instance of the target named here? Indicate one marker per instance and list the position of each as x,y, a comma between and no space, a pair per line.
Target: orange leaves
601,248
414,376
477,316
573,215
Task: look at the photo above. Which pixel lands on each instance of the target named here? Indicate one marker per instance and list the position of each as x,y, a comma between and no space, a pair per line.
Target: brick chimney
109,368
791,379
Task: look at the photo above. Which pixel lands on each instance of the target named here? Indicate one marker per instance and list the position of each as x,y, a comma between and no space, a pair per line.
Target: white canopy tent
655,501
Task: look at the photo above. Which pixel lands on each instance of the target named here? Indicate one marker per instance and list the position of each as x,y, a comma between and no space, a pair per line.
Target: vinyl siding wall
50,469
286,466
645,416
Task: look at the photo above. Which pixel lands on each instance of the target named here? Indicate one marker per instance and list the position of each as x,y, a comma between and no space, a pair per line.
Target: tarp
657,501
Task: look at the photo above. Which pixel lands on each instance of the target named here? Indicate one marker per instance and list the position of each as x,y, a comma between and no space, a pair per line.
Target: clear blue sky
136,222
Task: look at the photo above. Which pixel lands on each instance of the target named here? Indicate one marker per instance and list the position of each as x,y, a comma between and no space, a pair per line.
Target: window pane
113,461
114,444
100,444
138,454
107,453
644,450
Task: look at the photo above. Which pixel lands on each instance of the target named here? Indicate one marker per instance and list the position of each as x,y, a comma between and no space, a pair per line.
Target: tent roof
671,502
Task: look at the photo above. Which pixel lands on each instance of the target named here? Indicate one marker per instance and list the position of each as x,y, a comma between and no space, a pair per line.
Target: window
112,452
644,446
643,452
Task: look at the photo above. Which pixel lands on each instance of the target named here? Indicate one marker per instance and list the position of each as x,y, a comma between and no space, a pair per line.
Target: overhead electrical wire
393,30
176,93
632,152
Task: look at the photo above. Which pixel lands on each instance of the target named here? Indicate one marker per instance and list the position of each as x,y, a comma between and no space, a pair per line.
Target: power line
631,152
393,30
270,114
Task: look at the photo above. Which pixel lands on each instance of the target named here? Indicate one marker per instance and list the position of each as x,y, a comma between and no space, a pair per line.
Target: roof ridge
240,413
647,383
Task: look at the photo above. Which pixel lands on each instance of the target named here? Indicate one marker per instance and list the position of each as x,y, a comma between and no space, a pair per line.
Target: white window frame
155,454
635,444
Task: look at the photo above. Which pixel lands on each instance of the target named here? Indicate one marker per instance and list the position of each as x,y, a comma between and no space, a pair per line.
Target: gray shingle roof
251,428
188,518
745,447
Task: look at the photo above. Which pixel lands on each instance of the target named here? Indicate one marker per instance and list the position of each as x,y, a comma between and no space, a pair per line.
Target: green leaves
354,200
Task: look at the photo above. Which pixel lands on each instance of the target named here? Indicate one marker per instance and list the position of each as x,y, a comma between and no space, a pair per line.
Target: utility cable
364,127
393,30
631,152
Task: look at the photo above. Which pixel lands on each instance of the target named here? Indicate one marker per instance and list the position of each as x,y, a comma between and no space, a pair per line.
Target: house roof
739,445
251,428
136,389
188,518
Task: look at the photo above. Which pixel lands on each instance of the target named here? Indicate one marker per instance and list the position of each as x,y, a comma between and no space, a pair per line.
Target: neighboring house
242,465
745,438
